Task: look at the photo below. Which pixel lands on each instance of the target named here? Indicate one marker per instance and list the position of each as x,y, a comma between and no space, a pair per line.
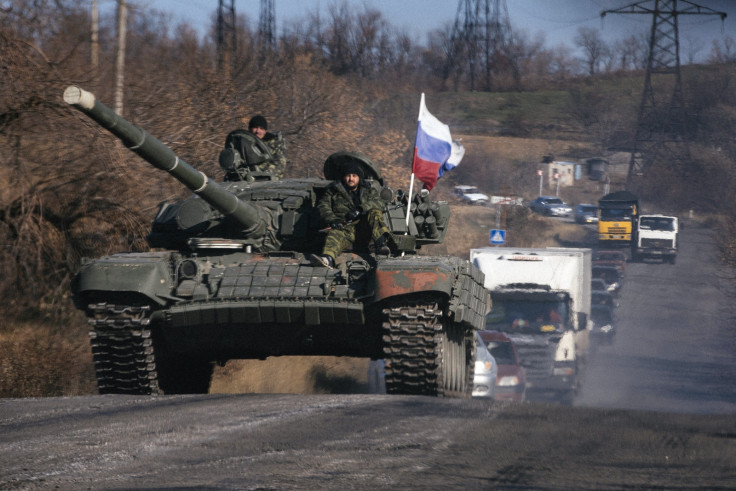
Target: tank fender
405,275
470,300
459,280
147,274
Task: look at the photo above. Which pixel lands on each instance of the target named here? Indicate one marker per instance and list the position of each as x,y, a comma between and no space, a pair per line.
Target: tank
228,277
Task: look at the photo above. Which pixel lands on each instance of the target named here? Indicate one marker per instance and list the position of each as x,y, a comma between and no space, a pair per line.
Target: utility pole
120,61
660,137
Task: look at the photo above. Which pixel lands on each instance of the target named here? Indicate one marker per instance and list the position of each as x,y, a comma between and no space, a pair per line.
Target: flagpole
411,183
408,203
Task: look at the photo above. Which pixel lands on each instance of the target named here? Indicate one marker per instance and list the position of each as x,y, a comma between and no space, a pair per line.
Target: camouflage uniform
333,207
277,145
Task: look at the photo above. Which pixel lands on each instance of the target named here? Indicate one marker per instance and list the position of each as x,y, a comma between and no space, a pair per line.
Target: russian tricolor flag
435,152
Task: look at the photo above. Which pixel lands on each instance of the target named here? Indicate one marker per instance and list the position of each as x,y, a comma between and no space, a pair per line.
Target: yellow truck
617,216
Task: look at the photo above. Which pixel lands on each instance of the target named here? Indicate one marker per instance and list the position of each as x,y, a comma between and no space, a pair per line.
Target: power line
660,137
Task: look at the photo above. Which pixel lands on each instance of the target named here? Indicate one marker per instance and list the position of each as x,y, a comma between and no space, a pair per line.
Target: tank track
122,349
417,358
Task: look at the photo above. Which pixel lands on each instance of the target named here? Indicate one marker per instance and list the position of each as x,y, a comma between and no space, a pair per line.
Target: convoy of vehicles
541,300
656,237
617,215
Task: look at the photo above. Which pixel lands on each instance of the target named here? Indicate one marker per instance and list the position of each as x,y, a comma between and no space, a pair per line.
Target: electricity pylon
661,137
226,40
267,27
480,37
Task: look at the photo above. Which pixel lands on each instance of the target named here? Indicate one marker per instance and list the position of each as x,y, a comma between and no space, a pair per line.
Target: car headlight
508,381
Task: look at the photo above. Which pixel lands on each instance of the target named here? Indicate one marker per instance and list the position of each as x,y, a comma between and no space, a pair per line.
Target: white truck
541,300
655,237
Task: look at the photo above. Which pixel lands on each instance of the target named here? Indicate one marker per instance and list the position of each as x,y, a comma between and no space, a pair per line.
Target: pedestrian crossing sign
498,236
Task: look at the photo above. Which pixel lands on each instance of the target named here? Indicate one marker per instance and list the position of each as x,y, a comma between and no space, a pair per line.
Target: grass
42,360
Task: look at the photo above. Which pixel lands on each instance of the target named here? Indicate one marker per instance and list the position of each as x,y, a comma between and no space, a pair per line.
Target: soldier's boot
381,245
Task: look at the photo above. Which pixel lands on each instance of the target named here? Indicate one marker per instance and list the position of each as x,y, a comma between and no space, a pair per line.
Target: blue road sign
498,236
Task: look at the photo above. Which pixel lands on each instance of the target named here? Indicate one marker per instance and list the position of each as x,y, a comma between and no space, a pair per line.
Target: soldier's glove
337,226
353,215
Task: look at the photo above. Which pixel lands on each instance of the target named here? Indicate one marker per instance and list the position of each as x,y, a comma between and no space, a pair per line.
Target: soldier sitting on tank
275,142
353,212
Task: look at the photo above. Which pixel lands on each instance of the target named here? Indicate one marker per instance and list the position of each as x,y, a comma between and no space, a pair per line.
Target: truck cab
656,237
541,300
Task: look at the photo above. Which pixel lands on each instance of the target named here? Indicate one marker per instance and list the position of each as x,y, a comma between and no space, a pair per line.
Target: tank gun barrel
162,157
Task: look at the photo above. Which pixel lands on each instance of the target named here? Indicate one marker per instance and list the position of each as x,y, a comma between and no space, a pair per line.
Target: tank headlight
187,270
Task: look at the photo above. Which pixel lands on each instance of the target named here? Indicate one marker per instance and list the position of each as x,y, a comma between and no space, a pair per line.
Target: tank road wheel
456,362
424,353
129,359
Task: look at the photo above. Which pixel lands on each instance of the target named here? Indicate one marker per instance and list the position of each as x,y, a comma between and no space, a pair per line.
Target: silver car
550,206
486,371
471,195
586,213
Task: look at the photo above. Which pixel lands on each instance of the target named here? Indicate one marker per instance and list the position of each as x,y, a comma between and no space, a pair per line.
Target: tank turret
254,220
230,278
251,210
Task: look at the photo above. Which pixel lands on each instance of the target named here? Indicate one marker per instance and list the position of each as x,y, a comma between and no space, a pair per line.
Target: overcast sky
558,20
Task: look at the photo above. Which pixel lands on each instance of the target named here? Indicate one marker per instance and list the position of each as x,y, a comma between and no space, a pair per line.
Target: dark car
598,285
598,297
610,258
586,213
611,276
511,379
602,317
550,206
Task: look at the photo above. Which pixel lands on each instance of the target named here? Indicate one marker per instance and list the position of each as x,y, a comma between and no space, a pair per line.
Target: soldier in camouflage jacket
274,141
353,212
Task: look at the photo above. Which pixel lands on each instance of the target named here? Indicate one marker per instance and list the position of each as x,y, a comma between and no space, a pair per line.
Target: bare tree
723,51
593,46
631,53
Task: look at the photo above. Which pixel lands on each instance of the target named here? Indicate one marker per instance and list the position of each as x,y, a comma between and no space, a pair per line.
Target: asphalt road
676,342
656,411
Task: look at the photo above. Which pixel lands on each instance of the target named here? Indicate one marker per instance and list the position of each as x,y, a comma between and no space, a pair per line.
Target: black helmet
352,167
258,121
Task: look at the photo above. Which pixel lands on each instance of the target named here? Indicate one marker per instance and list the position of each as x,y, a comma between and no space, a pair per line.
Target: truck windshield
525,316
616,213
664,224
